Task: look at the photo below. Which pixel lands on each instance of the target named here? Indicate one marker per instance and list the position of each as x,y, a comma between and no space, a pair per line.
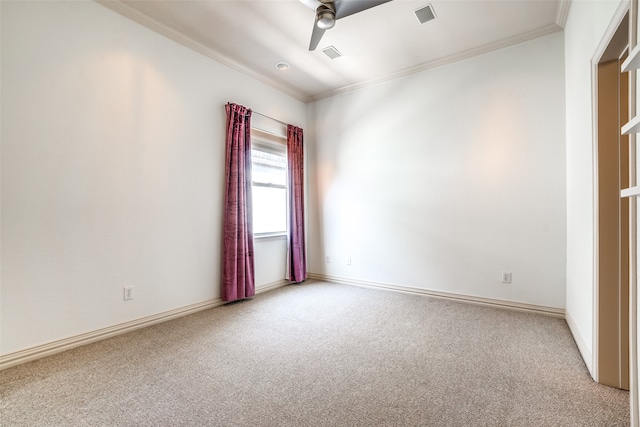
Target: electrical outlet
127,292
328,259
506,277
348,261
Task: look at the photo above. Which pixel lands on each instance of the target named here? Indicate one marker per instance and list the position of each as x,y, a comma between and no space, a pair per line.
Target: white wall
443,180
112,170
586,24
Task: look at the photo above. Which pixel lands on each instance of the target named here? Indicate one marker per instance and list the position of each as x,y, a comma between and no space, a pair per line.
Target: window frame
277,144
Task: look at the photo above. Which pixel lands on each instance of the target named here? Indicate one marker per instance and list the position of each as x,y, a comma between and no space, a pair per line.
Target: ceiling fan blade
316,35
349,7
311,4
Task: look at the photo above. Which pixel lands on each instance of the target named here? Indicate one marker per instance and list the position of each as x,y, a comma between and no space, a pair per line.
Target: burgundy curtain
238,280
297,261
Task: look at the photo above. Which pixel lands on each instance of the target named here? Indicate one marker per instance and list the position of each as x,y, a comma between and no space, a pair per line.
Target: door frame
626,10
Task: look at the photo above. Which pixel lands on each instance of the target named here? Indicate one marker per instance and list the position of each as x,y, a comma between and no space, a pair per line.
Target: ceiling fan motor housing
327,11
326,16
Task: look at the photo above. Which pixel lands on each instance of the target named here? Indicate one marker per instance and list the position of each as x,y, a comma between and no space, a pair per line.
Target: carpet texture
321,354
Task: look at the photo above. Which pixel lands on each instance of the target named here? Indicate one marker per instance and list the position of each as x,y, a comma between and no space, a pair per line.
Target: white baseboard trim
271,286
581,343
33,353
509,305
37,352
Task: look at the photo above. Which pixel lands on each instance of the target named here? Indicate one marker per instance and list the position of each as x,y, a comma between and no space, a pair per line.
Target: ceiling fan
328,11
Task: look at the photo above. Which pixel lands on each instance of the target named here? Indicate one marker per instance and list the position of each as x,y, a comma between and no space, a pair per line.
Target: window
269,183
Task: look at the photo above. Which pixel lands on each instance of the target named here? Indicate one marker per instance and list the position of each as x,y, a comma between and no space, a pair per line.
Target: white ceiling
377,44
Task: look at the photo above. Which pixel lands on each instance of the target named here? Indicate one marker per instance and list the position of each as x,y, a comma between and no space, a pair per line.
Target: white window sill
275,235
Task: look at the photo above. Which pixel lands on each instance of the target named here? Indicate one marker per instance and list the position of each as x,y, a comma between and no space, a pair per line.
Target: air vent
425,14
332,52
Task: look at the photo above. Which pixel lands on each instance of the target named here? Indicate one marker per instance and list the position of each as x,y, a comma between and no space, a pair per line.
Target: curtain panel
238,277
297,260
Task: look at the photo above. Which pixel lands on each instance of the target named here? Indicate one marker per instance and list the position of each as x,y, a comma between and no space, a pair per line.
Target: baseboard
509,305
581,343
271,286
37,352
32,353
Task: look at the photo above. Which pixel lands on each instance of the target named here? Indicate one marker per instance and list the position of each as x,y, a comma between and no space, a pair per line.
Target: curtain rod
265,116
277,135
275,120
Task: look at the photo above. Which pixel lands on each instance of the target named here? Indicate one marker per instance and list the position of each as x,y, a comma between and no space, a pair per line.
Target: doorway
612,223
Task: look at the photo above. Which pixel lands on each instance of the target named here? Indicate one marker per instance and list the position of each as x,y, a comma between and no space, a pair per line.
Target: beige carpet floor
321,354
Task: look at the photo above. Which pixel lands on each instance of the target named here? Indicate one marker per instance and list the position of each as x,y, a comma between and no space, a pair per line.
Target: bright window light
269,184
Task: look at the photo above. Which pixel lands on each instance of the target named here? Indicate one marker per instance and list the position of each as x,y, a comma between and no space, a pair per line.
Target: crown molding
562,13
127,11
480,50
